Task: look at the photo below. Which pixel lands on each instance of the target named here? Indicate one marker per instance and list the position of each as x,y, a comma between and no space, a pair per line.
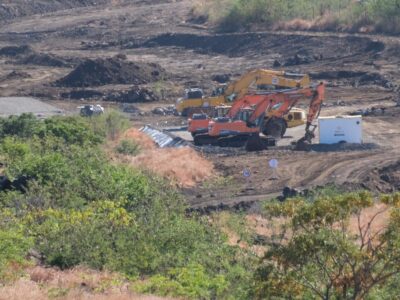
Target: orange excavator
246,119
198,123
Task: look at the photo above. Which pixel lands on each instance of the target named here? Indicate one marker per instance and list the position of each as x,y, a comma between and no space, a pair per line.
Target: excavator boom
239,88
315,108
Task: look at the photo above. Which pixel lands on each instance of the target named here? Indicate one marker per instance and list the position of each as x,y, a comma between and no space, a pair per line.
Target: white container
339,129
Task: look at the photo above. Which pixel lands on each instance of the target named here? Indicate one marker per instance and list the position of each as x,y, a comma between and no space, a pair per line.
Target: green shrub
62,175
78,208
24,126
331,249
110,124
190,282
72,130
14,246
128,147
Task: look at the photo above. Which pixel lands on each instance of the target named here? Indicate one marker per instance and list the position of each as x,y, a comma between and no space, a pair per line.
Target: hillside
124,205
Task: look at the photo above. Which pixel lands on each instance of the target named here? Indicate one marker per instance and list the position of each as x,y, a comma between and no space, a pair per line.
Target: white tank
339,129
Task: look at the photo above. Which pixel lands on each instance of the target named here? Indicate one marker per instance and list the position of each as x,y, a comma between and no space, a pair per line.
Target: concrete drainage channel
164,138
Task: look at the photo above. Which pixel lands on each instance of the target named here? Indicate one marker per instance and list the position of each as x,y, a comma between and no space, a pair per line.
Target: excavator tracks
249,142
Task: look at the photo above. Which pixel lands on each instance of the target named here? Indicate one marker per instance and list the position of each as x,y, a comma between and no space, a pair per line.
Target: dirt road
361,72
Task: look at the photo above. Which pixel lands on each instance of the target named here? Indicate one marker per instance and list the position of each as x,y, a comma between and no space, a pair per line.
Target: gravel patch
19,105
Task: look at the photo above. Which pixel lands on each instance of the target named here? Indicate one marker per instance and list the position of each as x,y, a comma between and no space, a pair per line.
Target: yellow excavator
195,101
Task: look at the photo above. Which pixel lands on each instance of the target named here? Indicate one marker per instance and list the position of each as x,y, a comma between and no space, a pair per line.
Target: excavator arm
316,103
313,113
240,87
279,104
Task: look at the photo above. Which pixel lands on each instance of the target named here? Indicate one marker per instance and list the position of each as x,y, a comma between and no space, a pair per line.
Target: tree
329,249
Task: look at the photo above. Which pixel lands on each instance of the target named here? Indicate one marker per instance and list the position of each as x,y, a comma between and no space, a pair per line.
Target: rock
12,51
158,111
277,64
221,78
386,177
82,94
15,75
169,110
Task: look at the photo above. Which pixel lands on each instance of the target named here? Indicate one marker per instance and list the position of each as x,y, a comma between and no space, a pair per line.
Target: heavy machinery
198,123
195,101
91,110
246,119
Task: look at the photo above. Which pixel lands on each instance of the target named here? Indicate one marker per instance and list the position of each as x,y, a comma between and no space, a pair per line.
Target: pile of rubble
115,70
134,95
165,111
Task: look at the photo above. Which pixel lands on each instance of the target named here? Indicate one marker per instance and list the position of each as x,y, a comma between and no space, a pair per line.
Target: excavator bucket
304,144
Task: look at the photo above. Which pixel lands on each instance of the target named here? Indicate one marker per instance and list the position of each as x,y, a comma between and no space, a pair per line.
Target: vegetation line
323,15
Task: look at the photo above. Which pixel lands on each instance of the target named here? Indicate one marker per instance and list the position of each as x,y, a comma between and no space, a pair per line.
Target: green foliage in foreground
191,281
232,15
77,208
326,251
128,147
80,209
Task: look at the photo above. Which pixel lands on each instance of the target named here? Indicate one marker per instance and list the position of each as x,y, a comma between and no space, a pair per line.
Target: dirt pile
355,78
384,180
25,55
301,58
44,59
378,111
240,44
343,147
183,166
18,8
14,51
169,110
134,95
114,70
15,75
82,94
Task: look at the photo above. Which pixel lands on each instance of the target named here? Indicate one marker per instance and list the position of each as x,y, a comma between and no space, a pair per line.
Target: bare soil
361,71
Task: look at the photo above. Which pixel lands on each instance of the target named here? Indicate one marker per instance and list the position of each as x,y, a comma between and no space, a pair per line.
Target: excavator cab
221,111
245,116
194,93
219,91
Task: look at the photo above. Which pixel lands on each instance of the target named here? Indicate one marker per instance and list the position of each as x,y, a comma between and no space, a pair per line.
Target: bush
78,208
128,147
14,247
24,126
110,124
191,282
318,253
237,14
72,130
61,175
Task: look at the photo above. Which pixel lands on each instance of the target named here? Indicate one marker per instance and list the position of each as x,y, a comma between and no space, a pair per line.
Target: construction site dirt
61,55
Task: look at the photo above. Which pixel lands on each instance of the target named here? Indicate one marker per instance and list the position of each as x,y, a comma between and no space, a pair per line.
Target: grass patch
340,15
128,147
